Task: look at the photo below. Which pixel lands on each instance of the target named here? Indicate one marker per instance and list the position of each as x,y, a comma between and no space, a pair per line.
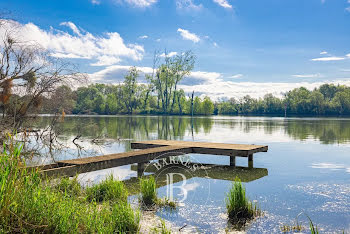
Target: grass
163,229
149,196
29,204
297,227
108,190
69,186
239,208
291,228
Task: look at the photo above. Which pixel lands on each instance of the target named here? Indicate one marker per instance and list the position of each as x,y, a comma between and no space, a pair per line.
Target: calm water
307,167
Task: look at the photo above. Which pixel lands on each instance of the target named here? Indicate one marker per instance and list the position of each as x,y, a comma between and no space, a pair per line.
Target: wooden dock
151,150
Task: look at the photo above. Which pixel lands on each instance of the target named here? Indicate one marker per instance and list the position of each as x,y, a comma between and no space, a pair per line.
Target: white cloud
105,49
307,75
105,60
221,89
143,37
215,44
236,76
347,9
171,54
140,3
213,84
188,5
187,35
158,40
223,3
115,74
333,58
71,26
95,2
324,52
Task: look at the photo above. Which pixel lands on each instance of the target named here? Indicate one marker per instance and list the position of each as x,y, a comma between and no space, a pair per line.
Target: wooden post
140,169
250,161
233,161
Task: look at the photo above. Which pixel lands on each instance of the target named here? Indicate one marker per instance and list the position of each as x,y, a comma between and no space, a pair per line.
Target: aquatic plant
239,208
108,190
148,191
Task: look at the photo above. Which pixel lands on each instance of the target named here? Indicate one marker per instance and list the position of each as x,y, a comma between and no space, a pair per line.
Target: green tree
130,89
207,106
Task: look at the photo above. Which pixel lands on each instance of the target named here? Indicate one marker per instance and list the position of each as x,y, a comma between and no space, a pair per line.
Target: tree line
130,97
326,100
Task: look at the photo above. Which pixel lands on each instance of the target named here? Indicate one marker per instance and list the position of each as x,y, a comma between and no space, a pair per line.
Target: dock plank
205,147
148,150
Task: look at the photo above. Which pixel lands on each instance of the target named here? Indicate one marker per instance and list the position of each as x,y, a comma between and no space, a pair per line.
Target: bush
108,190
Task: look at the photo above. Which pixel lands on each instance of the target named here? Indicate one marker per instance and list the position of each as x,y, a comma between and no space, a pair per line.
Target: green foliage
125,219
108,190
69,186
148,191
325,100
30,205
239,208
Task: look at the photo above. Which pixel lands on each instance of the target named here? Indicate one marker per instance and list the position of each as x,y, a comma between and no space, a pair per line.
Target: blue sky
242,46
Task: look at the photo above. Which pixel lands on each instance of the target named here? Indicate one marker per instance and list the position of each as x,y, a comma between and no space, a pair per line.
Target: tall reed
239,208
148,191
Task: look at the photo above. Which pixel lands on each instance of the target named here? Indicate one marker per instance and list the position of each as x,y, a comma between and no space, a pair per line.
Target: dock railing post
140,169
233,160
250,161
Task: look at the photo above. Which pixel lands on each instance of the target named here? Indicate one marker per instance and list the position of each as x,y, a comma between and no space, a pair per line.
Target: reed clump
148,191
29,204
149,197
239,208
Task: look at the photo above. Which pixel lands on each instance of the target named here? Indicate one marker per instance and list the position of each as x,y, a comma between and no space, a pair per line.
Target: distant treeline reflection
327,131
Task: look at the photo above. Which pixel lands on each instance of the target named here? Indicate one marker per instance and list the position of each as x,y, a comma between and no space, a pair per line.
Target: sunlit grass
298,227
30,205
108,190
239,208
149,197
69,186
148,191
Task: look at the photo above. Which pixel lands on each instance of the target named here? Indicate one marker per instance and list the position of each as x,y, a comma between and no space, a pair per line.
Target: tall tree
130,89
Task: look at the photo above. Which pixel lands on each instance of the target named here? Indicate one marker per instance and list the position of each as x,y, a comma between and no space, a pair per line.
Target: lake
306,169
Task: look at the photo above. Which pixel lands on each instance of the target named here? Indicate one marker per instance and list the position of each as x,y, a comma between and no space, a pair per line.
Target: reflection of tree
328,131
128,128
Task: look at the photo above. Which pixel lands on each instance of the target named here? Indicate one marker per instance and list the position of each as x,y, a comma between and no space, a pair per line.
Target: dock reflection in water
208,171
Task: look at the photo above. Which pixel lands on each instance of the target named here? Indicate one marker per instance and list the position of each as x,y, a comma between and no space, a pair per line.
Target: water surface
307,167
